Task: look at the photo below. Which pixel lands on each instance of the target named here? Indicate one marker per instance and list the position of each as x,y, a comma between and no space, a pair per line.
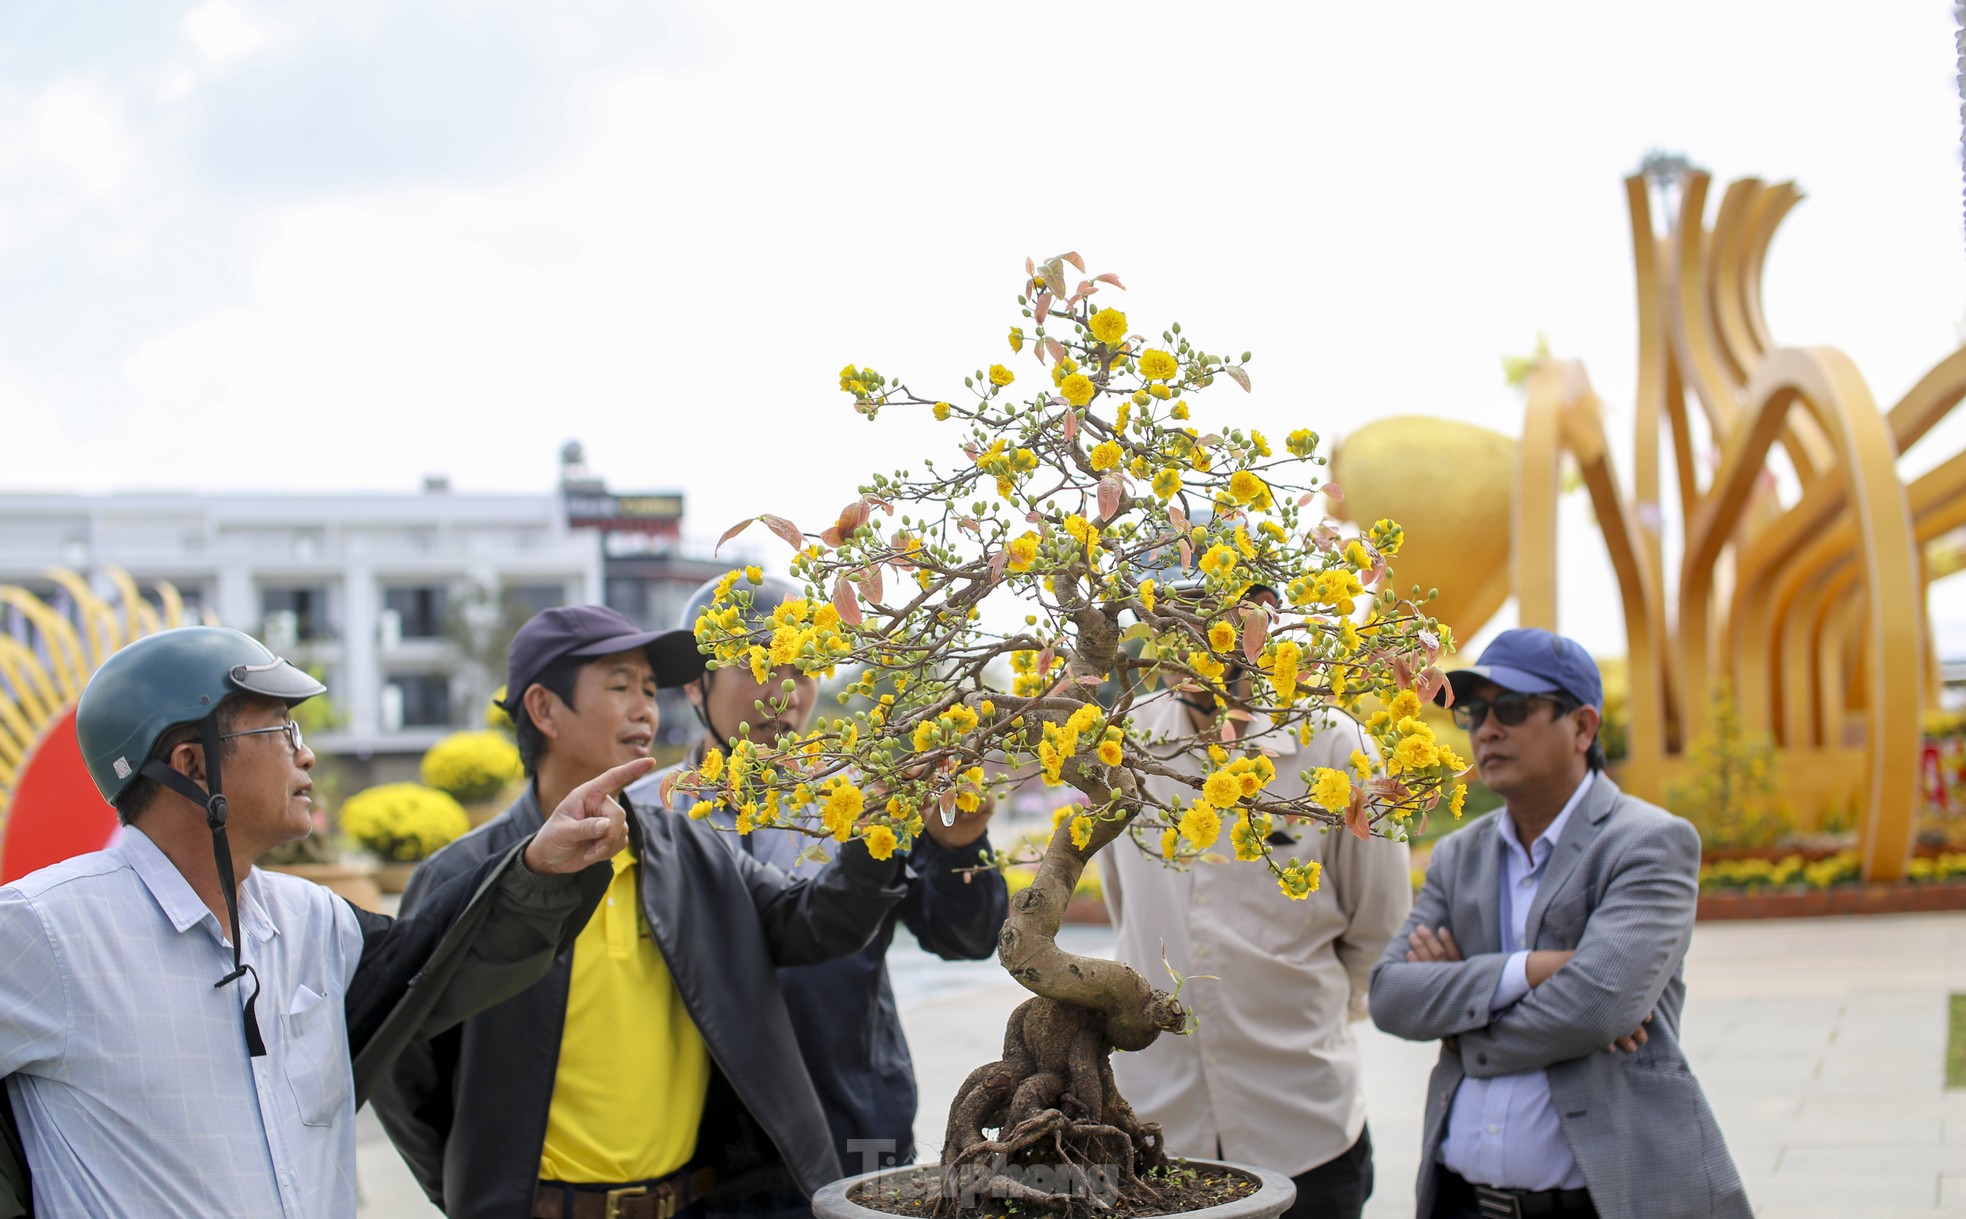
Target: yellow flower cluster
1300,879
1157,365
1201,825
1109,327
843,806
1248,835
471,766
1284,659
403,822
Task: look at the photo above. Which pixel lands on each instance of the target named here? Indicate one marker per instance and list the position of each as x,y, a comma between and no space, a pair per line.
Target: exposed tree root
1066,1140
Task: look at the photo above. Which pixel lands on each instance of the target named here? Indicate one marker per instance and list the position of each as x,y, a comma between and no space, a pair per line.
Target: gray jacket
1620,890
468,1109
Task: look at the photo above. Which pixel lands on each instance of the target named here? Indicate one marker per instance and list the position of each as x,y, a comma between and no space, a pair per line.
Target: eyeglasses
292,730
1510,708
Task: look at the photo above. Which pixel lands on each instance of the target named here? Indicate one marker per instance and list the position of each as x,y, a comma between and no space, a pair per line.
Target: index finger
607,783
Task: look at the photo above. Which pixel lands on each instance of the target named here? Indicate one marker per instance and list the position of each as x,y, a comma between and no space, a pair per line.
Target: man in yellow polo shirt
656,1064
621,990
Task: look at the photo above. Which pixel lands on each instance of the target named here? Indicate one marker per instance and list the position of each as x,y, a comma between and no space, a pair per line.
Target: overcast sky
341,246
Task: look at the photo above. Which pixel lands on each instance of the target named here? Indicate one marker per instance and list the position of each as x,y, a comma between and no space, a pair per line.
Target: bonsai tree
1118,541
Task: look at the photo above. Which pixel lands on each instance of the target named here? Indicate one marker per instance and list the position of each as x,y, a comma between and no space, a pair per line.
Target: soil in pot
1178,1190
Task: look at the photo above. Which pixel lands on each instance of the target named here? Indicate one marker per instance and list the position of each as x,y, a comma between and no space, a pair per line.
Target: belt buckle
1494,1203
615,1197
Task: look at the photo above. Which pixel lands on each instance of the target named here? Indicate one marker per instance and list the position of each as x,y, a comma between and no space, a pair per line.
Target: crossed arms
1600,994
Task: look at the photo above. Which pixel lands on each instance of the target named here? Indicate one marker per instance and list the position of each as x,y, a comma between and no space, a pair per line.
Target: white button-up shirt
128,1071
1504,1131
1270,1075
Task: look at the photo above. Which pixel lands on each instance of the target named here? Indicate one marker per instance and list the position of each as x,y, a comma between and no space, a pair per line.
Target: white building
384,593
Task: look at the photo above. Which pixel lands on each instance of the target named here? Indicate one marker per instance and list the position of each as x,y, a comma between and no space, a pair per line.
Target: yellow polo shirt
628,1094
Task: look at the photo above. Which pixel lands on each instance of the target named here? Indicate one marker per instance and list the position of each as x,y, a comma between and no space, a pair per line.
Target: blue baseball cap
1531,660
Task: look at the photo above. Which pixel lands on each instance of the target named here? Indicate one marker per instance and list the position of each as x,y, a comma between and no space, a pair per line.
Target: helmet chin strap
215,815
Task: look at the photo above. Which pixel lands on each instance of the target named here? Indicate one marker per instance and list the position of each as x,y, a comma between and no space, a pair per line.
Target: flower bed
1796,886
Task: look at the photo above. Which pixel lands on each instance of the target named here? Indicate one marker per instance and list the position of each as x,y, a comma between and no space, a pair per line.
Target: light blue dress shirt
1504,1131
128,1070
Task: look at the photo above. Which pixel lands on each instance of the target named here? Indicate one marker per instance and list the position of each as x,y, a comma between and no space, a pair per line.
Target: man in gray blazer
1544,953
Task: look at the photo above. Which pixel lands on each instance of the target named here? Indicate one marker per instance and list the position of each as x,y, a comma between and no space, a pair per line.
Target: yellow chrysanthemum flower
1105,455
1405,704
1222,637
1077,389
1109,327
1001,376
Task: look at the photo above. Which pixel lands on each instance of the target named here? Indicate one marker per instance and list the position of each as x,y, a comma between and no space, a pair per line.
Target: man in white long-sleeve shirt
1270,1076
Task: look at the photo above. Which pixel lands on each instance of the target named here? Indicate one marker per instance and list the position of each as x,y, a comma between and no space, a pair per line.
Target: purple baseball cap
594,630
1531,660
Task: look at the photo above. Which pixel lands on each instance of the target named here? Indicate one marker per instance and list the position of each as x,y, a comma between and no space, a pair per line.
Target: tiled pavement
1820,1043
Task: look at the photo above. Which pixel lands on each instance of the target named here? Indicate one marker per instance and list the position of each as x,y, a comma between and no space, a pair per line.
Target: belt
661,1198
1494,1202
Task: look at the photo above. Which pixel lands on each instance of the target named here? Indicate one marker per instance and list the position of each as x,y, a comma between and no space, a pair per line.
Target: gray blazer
1620,891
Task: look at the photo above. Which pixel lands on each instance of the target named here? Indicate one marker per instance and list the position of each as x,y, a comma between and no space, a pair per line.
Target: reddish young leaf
784,529
1109,497
1055,348
1429,644
1228,729
1071,426
669,784
1402,671
1355,817
732,532
1086,288
997,562
1305,498
1179,518
1044,660
1239,377
1110,278
970,523
1187,554
1030,268
845,602
1333,492
1043,308
871,584
1255,630
1072,256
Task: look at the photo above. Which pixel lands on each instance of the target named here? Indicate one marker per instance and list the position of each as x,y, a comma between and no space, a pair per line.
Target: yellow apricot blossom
1001,376
880,841
1110,753
1222,637
1023,551
1158,365
1105,455
1222,789
1077,389
1201,825
1109,327
1331,789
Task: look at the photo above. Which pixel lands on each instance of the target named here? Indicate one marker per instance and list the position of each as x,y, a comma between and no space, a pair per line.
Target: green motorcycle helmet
173,677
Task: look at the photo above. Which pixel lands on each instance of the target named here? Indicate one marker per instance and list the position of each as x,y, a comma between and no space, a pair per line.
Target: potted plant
1092,538
402,823
475,769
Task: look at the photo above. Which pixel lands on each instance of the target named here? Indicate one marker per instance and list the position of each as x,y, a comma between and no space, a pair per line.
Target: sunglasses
1511,709
292,730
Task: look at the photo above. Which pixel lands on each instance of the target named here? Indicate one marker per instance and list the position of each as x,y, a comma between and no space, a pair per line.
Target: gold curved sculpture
1814,609
45,666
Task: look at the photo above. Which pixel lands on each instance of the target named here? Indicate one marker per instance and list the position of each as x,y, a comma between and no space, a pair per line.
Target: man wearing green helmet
182,1034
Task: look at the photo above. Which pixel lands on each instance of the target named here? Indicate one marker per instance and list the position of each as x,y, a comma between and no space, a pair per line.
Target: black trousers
1338,1188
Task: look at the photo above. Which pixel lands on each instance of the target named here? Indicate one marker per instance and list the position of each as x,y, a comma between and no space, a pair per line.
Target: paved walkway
1820,1043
